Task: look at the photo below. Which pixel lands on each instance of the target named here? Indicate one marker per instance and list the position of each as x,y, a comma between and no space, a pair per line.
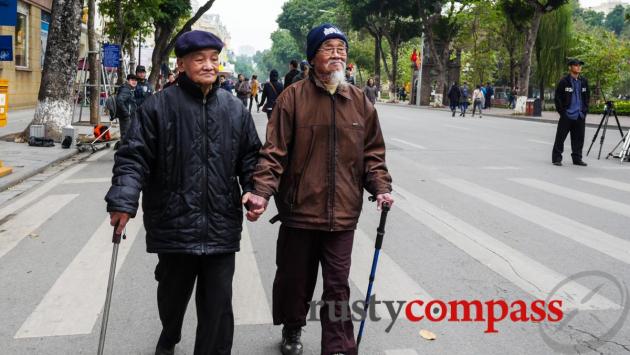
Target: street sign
8,12
111,55
6,48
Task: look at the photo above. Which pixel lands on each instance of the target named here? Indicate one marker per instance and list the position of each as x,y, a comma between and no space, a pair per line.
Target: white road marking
417,146
392,283
88,181
575,195
40,191
622,186
501,168
576,231
27,221
75,301
457,127
540,142
250,301
524,272
401,352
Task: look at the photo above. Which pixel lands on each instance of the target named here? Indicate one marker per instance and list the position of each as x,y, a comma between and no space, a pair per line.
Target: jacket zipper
204,188
333,151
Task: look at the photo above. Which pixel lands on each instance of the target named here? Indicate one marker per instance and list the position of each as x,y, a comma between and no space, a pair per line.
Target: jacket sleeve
132,163
558,98
122,99
248,152
264,95
274,153
376,176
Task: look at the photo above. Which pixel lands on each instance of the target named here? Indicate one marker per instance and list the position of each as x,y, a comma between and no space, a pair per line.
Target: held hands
384,198
120,219
256,206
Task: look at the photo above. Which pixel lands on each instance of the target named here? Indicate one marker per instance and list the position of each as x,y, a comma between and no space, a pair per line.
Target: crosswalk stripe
622,186
39,192
576,231
393,284
457,127
25,222
417,146
88,181
539,141
526,273
75,301
575,195
401,352
250,301
501,168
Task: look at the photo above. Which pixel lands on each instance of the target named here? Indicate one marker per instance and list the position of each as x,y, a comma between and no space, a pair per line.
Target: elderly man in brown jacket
324,146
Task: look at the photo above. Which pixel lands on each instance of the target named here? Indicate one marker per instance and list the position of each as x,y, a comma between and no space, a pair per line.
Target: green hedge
622,108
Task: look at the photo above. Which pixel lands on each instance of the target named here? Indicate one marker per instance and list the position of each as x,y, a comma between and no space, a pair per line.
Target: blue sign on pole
6,48
8,12
111,55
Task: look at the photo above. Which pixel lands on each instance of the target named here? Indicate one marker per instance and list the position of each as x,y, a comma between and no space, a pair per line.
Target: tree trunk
56,90
95,73
526,59
394,43
377,60
163,46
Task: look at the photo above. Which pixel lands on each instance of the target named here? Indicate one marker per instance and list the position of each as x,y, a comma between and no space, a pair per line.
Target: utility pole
419,83
139,51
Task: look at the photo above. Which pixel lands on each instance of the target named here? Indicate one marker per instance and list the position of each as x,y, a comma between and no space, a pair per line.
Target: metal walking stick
377,250
110,287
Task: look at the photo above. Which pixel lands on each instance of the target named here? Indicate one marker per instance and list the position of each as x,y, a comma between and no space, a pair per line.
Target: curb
512,117
18,178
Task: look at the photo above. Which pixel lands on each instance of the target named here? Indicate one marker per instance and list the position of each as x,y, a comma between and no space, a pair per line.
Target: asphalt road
480,215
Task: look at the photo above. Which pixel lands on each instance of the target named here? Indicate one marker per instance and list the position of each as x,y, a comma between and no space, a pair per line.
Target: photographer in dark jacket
126,104
144,88
571,99
188,150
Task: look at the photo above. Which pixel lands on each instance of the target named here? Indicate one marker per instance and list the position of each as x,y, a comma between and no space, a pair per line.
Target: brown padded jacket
322,150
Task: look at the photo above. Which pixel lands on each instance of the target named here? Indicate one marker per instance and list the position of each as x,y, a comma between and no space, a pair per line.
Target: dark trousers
176,275
576,128
463,106
244,100
298,255
477,105
251,101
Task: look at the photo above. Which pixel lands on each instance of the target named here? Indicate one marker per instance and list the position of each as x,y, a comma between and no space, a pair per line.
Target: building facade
30,36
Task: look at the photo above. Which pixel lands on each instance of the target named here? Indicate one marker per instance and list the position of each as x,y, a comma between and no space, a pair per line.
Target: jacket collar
192,88
342,90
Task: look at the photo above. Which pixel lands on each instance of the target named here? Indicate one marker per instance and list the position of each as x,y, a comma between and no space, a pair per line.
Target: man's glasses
331,50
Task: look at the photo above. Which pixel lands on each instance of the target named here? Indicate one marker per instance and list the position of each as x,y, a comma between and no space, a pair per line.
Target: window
21,36
44,33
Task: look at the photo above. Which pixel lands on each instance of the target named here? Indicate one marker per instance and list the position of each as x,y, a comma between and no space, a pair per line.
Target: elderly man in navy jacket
572,96
188,151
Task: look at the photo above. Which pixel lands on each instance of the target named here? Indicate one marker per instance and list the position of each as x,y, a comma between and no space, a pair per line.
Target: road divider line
74,302
622,186
575,195
39,191
524,272
27,221
417,146
393,284
250,301
576,231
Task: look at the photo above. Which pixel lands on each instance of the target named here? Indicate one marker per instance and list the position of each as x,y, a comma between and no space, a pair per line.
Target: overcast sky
251,22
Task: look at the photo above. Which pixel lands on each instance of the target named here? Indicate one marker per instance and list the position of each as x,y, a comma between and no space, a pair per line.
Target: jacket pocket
299,176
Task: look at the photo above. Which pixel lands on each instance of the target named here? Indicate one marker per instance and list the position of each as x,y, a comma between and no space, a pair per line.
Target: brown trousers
298,255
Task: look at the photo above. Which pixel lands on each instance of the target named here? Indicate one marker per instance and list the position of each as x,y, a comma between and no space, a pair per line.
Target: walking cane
380,232
110,287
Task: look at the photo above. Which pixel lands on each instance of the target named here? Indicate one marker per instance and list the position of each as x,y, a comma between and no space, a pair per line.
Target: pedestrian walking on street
243,89
478,100
293,71
489,94
254,93
571,99
463,99
126,105
349,76
453,98
304,70
144,88
271,91
189,176
371,91
316,163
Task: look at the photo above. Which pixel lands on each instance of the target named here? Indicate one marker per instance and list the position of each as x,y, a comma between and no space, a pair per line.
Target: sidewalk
592,120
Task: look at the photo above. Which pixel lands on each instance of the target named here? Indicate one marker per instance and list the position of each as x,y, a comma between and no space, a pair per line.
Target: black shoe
580,163
159,350
291,344
557,163
453,114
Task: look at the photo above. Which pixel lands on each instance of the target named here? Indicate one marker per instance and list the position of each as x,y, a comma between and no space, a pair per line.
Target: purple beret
195,40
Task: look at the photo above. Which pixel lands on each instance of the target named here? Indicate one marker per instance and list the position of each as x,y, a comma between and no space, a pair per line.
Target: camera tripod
625,149
609,109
